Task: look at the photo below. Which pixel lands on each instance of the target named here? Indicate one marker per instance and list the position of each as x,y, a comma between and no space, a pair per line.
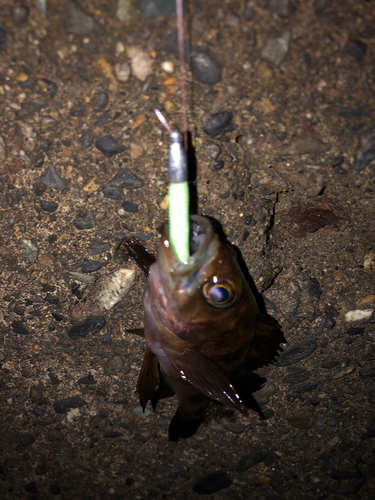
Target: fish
204,332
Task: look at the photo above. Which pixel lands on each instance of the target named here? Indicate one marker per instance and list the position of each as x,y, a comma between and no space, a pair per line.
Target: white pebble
358,315
115,287
167,66
139,411
122,71
369,260
120,48
141,63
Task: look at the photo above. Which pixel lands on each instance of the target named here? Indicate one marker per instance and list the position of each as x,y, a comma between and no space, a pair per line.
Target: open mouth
202,248
197,234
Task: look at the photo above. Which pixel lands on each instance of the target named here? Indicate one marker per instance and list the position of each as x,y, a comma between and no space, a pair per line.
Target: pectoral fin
148,378
138,254
267,340
204,375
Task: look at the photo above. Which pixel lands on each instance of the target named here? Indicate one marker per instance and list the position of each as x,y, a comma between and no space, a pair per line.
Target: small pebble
366,373
91,266
112,193
84,278
107,339
264,394
20,14
276,49
98,248
52,179
122,72
218,166
365,153
20,193
297,375
311,386
358,315
214,151
48,206
355,331
103,119
85,222
248,461
115,287
283,8
130,207
65,404
204,66
218,123
136,149
114,365
167,66
156,8
298,351
248,13
343,373
337,161
236,429
3,39
299,419
329,323
126,179
109,146
52,299
356,48
139,411
29,249
79,22
26,440
350,113
58,317
313,288
20,328
112,434
141,63
78,111
3,150
87,328
212,483
48,123
101,101
35,393
86,138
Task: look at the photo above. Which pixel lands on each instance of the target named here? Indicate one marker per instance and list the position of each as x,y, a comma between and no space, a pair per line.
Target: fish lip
204,252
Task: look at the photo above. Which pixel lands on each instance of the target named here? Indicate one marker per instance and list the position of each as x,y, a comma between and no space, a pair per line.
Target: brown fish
204,333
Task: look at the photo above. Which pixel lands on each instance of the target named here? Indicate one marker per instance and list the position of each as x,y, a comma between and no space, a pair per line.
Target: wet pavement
281,109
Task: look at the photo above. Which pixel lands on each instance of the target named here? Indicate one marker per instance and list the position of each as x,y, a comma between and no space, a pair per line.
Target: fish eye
218,292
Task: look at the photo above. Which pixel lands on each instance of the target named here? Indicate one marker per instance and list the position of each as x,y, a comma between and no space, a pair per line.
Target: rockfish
203,329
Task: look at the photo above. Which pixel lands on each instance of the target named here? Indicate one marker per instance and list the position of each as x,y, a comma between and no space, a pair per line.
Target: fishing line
178,191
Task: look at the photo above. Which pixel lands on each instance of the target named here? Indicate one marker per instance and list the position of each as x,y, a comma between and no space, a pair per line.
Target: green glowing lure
178,194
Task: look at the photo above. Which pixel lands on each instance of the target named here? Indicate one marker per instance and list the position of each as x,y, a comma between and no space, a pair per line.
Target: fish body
204,333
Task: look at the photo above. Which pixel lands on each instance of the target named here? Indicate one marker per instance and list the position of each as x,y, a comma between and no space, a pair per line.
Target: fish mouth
203,246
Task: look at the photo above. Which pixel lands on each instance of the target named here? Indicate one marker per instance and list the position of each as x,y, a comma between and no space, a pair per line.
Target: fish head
208,289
